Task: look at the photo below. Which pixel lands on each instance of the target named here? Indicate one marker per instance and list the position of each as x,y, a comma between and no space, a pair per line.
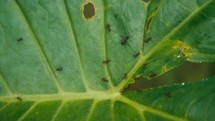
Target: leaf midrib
95,96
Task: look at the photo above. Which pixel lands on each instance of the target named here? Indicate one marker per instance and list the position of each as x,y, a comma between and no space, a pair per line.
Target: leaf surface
71,59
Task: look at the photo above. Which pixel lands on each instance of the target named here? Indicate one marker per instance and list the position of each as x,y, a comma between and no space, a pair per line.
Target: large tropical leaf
72,59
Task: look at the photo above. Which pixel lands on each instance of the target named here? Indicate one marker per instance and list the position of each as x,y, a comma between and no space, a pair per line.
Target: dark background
187,72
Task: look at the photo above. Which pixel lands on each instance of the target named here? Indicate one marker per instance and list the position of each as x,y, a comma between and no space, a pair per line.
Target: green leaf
193,101
71,59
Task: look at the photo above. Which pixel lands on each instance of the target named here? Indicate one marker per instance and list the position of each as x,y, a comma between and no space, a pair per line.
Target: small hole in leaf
89,10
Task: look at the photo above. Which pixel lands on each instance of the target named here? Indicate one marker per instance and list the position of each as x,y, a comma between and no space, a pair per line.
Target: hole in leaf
89,10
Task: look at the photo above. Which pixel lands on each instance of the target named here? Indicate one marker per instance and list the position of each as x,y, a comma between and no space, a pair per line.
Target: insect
59,68
124,40
168,94
146,40
144,65
125,75
137,78
152,75
106,61
182,54
104,79
108,27
136,54
19,98
19,39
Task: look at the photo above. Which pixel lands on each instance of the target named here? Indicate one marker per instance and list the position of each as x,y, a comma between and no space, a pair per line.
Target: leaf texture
71,59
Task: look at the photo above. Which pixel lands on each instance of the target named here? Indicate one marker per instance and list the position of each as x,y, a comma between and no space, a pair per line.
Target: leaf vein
27,112
58,111
5,84
139,106
40,49
77,46
107,69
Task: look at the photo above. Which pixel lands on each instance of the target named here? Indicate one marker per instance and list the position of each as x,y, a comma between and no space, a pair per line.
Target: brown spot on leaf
89,10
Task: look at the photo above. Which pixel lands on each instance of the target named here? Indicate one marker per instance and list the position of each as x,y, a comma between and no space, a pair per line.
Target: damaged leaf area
89,10
170,55
63,60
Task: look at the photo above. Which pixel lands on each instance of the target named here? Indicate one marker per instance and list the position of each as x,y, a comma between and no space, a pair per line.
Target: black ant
144,65
136,54
106,61
19,40
147,40
137,78
108,27
168,94
125,75
59,69
104,79
124,40
152,75
19,98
